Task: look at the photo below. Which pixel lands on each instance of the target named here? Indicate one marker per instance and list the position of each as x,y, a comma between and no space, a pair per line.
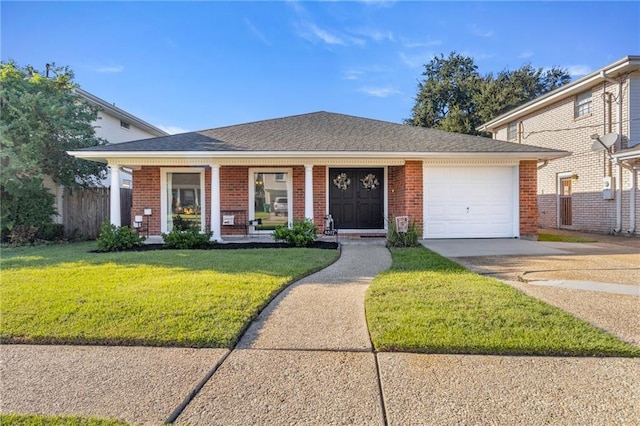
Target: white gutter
230,155
120,113
628,63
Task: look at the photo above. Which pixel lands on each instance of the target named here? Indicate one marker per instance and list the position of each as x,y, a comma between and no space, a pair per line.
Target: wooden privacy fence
85,209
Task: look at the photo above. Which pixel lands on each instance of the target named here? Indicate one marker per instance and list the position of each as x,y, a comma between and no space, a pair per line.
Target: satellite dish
604,142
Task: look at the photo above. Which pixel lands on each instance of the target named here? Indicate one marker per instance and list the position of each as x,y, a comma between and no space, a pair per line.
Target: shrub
51,232
189,238
402,239
22,234
25,202
301,234
113,238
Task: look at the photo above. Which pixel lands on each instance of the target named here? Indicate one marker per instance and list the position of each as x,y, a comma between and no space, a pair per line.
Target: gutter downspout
618,227
632,196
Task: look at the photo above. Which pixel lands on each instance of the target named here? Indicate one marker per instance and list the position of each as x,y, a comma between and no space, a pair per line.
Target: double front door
356,197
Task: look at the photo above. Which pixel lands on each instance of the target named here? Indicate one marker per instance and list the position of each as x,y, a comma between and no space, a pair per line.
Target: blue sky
197,65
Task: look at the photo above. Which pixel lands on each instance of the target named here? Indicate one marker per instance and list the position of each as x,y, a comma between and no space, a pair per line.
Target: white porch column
308,191
115,195
215,202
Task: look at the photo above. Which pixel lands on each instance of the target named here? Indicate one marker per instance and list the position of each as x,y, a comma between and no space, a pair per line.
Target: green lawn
426,303
565,238
192,298
37,420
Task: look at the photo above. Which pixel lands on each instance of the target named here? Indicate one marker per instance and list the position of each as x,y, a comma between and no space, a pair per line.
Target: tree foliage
42,118
455,97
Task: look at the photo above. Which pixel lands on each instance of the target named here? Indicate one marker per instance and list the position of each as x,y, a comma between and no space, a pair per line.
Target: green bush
189,238
301,234
26,203
402,239
51,232
113,238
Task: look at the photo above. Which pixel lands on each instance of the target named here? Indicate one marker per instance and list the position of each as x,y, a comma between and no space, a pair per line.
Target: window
125,125
270,195
512,131
583,104
182,198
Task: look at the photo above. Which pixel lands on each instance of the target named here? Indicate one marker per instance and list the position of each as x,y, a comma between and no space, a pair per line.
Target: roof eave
626,64
113,156
121,114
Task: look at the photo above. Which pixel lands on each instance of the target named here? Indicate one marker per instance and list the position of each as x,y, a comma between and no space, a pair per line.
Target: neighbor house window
125,125
512,131
583,104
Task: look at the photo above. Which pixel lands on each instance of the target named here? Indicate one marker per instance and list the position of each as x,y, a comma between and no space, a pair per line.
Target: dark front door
356,198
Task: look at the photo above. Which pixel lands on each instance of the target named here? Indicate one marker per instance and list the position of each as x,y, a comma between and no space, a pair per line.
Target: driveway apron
307,359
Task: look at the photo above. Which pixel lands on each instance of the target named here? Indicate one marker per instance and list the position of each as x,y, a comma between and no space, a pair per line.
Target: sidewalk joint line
187,400
380,391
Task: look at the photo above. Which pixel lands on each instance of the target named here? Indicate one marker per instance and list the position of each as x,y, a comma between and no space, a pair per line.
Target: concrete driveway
597,281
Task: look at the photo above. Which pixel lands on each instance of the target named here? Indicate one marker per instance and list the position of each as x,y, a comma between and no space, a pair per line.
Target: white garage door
470,202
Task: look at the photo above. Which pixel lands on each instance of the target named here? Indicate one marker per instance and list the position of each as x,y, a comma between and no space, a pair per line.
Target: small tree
42,118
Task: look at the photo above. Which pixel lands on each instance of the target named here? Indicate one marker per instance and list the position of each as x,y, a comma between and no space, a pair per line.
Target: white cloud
110,69
526,54
481,32
578,70
379,92
414,44
375,34
256,32
352,74
172,130
416,60
310,31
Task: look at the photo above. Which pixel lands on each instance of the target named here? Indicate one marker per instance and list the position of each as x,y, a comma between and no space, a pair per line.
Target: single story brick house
360,171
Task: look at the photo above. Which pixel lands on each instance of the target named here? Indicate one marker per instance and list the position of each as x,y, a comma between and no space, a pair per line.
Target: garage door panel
469,202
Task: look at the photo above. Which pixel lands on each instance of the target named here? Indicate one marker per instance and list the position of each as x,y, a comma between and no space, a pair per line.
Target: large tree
42,118
453,95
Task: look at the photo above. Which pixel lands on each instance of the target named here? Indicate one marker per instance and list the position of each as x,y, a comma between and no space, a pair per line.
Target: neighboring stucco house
594,189
116,126
361,171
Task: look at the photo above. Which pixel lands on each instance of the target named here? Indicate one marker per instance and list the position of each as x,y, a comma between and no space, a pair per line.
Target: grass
426,303
191,298
38,420
565,238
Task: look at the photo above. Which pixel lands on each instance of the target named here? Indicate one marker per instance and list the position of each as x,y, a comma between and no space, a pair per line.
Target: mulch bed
326,245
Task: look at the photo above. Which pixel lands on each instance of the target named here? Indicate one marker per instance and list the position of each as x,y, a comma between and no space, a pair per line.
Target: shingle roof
322,132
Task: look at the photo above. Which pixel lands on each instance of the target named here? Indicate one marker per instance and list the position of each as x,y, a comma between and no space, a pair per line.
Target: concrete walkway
308,360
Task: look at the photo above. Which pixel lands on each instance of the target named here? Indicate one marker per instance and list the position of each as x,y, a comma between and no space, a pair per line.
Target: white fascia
311,157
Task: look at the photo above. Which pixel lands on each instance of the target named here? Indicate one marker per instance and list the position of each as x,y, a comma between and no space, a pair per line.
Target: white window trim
252,191
163,194
577,104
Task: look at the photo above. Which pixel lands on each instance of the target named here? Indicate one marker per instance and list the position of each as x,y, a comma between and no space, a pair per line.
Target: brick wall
555,127
319,196
146,194
528,199
406,192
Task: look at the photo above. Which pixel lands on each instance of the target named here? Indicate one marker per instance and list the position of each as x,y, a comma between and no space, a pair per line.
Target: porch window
183,200
583,104
270,197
